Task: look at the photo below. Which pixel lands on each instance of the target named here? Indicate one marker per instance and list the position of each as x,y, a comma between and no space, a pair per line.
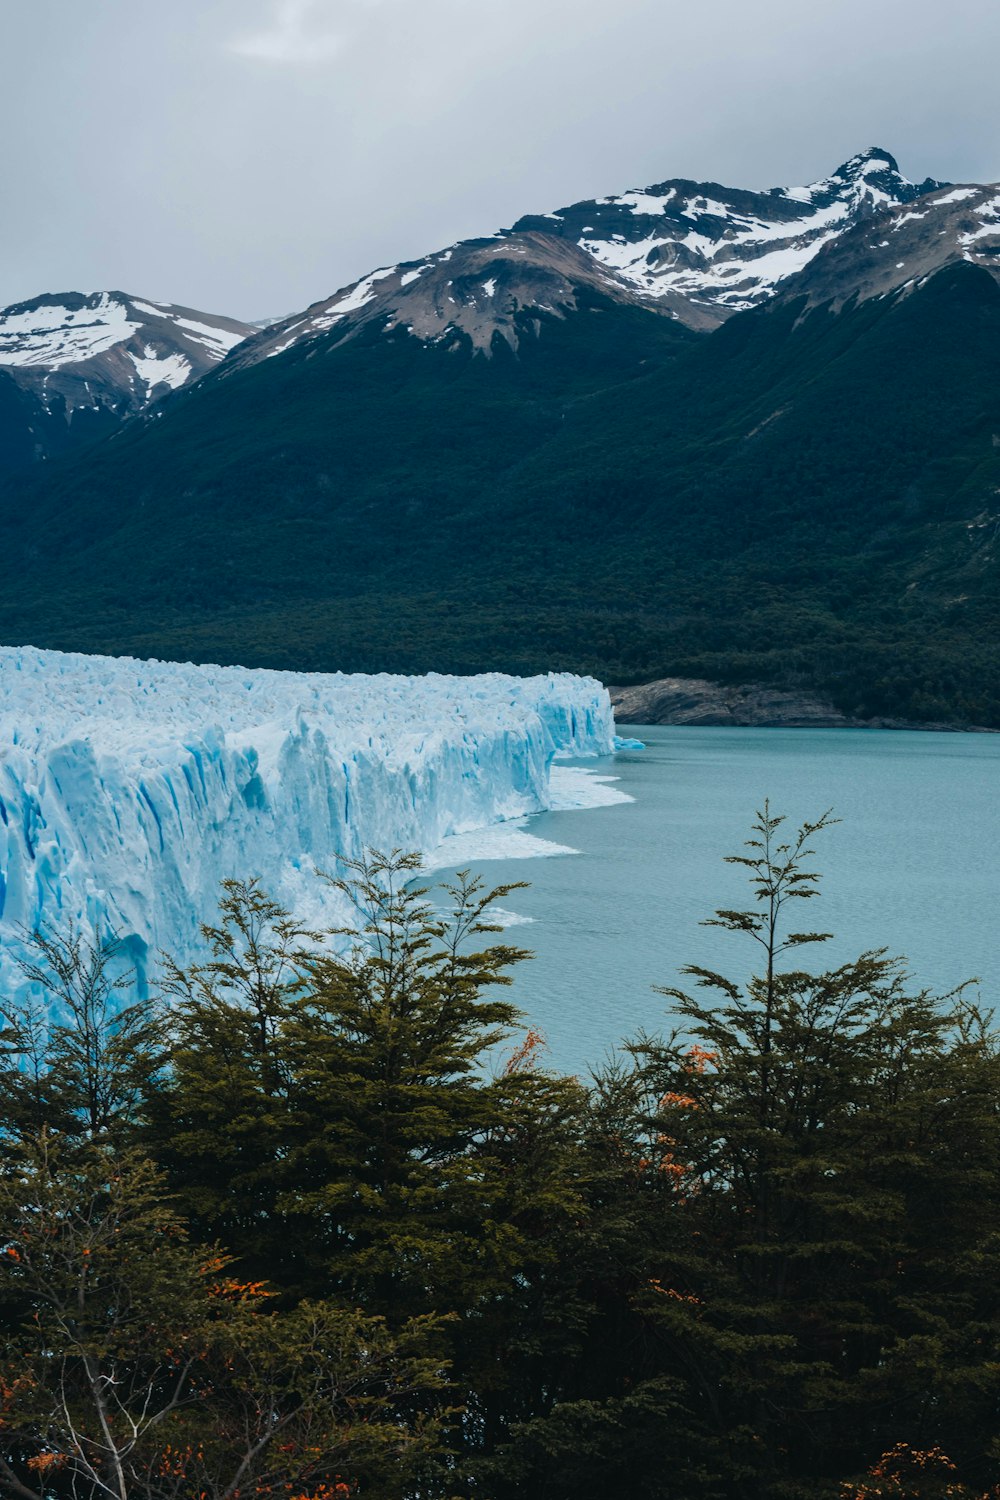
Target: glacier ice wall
130,789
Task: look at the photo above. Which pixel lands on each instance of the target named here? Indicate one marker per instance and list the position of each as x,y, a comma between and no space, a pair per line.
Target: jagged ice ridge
130,789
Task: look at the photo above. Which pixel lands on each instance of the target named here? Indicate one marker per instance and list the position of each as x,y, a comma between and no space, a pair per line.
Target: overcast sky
250,156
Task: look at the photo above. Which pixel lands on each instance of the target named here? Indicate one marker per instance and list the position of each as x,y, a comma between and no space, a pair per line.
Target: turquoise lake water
914,866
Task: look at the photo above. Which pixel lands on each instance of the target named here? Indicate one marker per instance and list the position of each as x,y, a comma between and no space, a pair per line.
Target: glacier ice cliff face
130,789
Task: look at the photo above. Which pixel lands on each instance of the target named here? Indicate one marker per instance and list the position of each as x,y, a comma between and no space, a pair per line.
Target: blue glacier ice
130,789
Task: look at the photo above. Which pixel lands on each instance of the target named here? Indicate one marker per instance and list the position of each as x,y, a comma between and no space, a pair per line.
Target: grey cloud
250,156
293,33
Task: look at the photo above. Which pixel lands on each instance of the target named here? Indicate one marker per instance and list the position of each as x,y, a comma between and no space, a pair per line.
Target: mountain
705,251
904,246
497,459
73,367
468,295
694,251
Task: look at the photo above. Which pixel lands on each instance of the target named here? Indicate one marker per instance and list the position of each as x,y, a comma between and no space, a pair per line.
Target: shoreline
698,703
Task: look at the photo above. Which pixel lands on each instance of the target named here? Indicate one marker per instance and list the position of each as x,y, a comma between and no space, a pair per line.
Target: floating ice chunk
504,918
574,787
508,841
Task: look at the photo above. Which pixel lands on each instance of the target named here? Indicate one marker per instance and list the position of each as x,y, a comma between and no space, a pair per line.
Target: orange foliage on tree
176,1461
674,1294
46,1463
241,1291
699,1059
525,1057
906,1473
678,1101
338,1490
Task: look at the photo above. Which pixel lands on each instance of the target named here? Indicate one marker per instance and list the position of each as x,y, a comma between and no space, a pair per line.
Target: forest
318,1221
805,498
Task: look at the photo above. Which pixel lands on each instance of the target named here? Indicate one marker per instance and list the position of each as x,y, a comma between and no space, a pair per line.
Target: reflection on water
914,866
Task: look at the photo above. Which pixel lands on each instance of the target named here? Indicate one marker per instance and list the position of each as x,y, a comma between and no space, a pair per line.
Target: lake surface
914,866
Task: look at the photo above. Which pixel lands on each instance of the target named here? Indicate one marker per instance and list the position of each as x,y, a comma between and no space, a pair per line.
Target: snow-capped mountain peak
57,332
873,174
900,248
704,251
89,360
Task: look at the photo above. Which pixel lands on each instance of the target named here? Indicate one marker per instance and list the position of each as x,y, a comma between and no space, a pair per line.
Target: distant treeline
326,1226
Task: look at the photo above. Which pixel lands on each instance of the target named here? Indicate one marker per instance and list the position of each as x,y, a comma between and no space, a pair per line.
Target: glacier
130,789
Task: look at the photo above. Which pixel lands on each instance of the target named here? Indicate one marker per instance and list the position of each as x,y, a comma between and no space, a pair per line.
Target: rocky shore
695,701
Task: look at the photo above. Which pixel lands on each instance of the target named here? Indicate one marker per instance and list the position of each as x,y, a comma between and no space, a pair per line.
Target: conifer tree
322,1111
220,1125
75,1053
389,1047
811,1128
787,1277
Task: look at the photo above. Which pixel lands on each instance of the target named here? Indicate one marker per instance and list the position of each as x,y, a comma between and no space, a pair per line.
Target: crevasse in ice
130,789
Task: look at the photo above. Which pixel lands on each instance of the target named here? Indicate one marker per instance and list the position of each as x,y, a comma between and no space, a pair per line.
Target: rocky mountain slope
473,292
705,251
697,252
904,246
74,367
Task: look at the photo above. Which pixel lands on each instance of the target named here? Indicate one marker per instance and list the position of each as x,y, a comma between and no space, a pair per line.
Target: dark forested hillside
806,496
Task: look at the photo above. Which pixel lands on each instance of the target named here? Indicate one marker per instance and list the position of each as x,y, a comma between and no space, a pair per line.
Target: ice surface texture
130,789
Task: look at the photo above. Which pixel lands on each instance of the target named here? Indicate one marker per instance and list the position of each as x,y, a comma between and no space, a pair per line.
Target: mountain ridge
964,225
74,366
724,249
696,252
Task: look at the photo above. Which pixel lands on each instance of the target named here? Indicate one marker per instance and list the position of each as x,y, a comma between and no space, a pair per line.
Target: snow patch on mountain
130,789
910,243
355,299
958,195
68,330
155,369
988,210
215,337
54,335
711,251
